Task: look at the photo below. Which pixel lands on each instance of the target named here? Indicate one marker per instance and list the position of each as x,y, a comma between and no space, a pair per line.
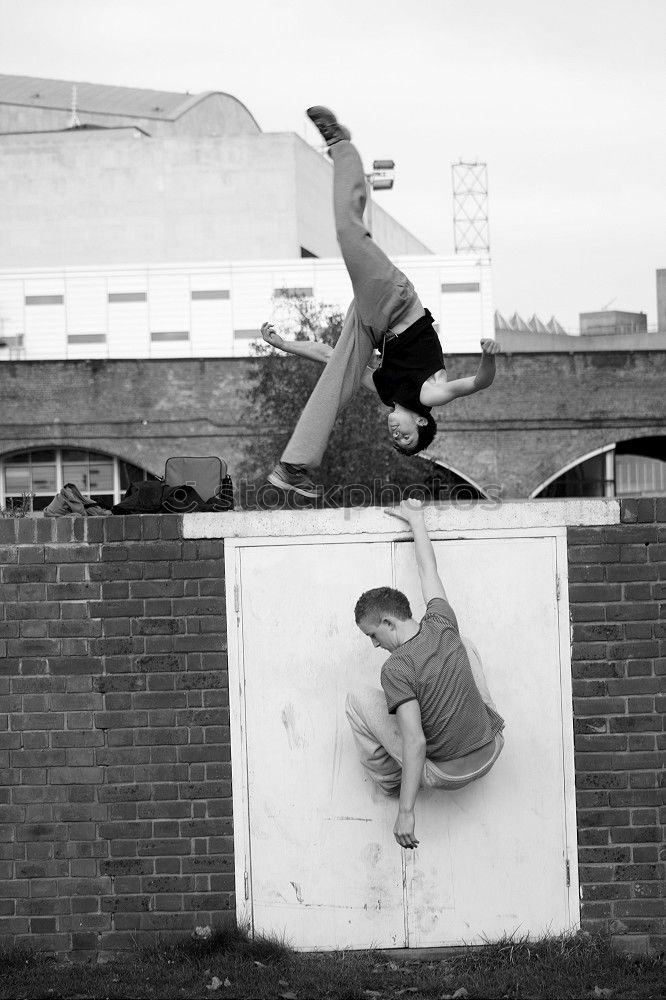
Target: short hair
382,601
426,434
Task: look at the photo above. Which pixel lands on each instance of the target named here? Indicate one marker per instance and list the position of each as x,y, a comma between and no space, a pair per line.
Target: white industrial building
209,309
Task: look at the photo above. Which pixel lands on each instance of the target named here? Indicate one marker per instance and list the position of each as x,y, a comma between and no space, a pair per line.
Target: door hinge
557,587
567,866
236,602
246,882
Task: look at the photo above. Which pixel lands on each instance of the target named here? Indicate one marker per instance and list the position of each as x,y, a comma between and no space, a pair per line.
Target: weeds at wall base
579,965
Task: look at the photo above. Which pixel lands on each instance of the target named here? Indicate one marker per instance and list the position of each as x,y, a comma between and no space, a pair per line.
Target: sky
563,99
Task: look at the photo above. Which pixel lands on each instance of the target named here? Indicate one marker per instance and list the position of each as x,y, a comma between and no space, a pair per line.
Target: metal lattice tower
74,121
471,233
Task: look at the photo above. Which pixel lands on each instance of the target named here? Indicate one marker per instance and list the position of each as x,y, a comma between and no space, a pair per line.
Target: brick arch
619,439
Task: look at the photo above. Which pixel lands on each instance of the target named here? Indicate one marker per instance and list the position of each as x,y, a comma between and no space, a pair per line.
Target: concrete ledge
477,516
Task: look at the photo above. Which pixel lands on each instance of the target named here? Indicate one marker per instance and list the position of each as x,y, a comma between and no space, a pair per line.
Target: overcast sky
564,99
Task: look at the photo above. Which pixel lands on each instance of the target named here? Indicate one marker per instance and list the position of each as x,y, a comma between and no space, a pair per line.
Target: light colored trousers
379,743
384,299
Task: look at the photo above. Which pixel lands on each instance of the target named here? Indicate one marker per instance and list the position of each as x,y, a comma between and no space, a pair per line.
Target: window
628,469
167,335
293,293
213,293
127,296
43,472
44,300
462,286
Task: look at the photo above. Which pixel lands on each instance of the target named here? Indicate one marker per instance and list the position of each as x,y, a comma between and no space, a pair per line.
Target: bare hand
270,336
403,830
409,510
490,347
375,361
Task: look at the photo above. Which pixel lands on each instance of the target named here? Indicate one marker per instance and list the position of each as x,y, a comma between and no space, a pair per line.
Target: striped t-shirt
433,668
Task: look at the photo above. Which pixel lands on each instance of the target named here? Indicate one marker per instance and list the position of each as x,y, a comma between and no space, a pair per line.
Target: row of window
43,472
223,293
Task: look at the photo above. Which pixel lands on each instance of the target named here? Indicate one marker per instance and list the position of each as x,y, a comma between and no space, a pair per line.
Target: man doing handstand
386,315
446,732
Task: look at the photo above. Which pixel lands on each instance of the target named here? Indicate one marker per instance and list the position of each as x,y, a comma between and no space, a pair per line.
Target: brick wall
115,772
535,421
617,593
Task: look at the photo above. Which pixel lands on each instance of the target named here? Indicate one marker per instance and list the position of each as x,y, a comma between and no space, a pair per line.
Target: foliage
232,965
19,508
360,459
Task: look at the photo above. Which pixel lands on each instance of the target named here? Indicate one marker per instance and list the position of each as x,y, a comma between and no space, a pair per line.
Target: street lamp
380,178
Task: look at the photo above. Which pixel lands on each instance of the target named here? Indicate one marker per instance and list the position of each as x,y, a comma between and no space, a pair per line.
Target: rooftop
97,98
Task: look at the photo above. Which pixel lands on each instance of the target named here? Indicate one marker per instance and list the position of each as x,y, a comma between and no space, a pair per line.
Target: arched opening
629,468
444,482
40,473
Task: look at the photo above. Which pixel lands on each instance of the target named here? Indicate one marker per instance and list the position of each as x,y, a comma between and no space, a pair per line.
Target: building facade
210,309
159,177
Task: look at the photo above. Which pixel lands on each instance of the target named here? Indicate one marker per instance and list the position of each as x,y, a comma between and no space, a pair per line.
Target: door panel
491,857
325,869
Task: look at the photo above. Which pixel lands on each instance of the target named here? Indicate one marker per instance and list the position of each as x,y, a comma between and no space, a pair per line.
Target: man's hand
409,510
490,347
412,511
375,361
403,831
270,336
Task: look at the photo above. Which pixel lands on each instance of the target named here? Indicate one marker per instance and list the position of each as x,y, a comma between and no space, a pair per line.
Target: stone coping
482,515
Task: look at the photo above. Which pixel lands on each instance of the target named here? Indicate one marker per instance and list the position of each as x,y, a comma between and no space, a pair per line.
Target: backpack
207,475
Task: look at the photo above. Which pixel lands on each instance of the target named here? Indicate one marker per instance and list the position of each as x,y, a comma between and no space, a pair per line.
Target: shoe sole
328,117
282,484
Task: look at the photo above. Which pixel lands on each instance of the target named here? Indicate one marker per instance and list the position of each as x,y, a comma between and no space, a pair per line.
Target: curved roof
101,99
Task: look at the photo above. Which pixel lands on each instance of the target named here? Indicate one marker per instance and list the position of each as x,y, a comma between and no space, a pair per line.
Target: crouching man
441,729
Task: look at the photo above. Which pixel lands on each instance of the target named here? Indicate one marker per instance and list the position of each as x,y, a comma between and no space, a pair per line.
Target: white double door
316,860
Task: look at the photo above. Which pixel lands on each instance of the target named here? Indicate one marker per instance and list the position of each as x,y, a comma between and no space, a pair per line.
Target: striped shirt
433,668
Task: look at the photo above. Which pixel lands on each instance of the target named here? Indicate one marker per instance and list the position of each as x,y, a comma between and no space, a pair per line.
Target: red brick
79,553
585,574
593,554
597,633
158,626
73,591
638,873
39,609
635,724
115,609
631,611
636,761
601,592
628,572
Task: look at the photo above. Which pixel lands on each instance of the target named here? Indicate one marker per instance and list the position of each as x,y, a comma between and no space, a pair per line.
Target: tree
360,466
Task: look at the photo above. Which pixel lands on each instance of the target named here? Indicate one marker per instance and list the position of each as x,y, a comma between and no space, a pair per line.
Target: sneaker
327,124
294,478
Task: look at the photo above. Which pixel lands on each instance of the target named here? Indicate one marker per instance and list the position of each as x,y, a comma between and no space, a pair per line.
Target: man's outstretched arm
313,350
413,758
431,585
440,395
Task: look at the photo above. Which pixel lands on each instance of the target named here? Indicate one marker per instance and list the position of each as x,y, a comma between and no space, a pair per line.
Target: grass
579,966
